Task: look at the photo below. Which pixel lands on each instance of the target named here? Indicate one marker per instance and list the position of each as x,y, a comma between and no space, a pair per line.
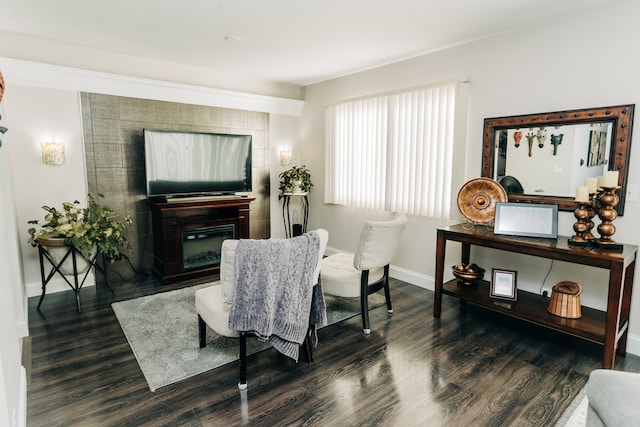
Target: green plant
295,176
84,227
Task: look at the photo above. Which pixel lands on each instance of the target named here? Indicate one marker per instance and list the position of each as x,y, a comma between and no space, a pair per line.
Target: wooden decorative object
477,200
565,300
1,86
592,208
580,226
608,200
468,274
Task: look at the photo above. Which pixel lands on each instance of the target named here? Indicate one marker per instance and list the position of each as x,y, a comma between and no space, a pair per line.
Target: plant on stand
294,181
87,229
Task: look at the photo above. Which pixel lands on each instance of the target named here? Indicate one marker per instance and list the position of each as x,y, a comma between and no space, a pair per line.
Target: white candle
600,181
582,194
610,179
592,185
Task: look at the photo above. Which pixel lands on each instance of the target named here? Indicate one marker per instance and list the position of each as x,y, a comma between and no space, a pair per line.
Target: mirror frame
621,117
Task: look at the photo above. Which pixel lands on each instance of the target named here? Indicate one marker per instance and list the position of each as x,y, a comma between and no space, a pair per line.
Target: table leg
44,281
625,309
466,253
441,244
612,323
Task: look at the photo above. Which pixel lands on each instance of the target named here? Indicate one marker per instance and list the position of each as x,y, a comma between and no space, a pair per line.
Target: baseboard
22,328
34,289
633,345
399,273
20,419
421,280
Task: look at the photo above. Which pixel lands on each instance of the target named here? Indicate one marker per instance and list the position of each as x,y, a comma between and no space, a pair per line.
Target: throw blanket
274,290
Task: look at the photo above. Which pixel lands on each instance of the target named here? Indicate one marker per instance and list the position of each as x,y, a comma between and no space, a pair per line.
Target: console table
609,327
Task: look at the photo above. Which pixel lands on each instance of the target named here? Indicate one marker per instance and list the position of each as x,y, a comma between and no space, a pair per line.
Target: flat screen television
190,164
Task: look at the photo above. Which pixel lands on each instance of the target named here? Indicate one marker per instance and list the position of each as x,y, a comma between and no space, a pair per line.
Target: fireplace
201,247
188,235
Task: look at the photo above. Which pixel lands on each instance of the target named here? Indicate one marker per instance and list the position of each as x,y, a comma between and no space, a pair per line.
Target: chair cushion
228,268
340,278
214,311
379,242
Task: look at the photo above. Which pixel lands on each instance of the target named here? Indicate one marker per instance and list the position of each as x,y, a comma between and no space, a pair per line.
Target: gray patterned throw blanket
274,292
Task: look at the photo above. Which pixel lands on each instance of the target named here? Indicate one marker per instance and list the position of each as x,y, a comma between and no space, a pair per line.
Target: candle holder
580,227
591,207
608,201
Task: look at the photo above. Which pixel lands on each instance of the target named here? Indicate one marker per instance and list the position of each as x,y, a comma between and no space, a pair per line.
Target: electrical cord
126,257
545,278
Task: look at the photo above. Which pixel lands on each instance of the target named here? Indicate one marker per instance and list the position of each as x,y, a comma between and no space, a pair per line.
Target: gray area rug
162,330
576,413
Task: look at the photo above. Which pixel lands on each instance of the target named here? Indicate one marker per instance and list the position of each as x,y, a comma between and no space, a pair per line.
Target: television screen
181,164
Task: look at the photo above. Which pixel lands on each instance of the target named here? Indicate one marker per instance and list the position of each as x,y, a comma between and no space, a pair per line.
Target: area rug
576,413
162,330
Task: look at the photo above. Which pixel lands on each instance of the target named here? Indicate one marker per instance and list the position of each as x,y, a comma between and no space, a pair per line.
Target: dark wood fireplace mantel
173,220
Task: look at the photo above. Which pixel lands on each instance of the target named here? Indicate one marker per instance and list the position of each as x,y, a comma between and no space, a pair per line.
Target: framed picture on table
504,284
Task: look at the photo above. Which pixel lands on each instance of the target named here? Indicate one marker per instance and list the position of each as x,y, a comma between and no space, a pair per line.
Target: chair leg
364,302
243,361
387,293
202,332
306,347
313,335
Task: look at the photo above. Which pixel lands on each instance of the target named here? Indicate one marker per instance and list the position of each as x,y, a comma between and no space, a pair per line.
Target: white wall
580,61
284,135
13,313
38,115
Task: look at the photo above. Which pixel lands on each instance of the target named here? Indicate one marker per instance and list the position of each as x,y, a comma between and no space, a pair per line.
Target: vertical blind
393,152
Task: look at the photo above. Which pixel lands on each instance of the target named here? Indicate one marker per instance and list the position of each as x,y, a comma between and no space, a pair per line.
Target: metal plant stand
78,281
289,228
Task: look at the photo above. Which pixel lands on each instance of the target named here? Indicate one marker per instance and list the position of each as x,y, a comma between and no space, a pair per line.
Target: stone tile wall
114,151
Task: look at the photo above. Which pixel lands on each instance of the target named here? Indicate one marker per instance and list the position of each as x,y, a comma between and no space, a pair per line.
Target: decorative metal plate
477,200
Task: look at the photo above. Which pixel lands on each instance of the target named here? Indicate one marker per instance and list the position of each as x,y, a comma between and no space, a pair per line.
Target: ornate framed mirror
542,158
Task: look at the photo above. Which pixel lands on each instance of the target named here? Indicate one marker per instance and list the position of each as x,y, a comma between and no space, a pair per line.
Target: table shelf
532,307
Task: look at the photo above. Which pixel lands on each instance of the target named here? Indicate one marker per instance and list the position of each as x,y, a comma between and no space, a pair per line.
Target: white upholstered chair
367,271
214,303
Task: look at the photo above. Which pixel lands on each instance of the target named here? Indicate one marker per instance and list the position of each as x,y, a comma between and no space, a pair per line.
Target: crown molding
37,74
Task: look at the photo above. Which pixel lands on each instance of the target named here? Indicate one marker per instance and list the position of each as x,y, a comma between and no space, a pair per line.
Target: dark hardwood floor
472,367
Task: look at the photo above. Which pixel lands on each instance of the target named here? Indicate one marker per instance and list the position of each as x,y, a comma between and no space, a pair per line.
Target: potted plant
294,181
95,227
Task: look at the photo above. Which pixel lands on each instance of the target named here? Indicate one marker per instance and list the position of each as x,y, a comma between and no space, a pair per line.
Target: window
393,152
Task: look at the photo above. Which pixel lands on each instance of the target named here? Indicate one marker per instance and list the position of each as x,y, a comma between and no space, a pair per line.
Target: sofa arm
613,398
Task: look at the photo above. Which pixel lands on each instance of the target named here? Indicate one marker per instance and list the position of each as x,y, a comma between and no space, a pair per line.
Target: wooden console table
609,327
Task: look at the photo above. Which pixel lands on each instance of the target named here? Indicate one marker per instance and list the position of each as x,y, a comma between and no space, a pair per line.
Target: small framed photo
503,284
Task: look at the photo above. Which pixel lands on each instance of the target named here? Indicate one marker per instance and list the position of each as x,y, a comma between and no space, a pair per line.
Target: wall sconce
52,153
285,158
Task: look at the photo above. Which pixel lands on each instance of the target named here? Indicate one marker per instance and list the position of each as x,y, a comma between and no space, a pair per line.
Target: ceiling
299,42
